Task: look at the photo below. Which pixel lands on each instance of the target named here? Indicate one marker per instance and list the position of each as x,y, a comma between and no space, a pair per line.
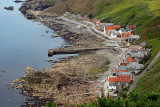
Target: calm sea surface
21,46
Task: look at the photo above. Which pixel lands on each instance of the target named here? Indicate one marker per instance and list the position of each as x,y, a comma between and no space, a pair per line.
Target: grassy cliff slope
150,80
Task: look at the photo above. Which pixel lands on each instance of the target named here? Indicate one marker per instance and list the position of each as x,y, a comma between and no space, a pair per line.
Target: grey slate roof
137,55
109,24
143,44
134,37
135,66
122,29
122,67
124,73
115,32
112,84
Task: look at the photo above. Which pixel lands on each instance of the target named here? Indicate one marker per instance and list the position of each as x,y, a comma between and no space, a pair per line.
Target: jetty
52,52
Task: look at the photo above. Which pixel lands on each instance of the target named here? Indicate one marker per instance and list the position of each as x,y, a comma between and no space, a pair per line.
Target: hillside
144,13
150,80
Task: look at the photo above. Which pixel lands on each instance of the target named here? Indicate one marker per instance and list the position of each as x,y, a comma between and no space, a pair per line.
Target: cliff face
36,5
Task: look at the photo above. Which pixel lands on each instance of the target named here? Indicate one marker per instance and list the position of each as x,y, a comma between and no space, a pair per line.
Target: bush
145,59
50,104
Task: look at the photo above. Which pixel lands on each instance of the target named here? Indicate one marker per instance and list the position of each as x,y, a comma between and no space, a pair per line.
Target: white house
113,33
122,30
112,83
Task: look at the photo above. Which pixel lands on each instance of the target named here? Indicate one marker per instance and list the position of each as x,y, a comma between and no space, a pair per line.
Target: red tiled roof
126,34
109,28
132,26
121,70
116,26
112,79
95,20
98,23
84,18
97,26
130,59
125,64
121,78
137,48
79,17
119,35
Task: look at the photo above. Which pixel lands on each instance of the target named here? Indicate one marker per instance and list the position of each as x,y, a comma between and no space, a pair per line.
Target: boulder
48,60
9,8
30,16
47,31
55,35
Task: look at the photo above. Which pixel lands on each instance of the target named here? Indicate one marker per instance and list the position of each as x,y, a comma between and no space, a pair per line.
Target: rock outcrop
36,6
9,8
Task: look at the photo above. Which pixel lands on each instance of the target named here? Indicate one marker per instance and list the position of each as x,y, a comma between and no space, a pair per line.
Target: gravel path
115,56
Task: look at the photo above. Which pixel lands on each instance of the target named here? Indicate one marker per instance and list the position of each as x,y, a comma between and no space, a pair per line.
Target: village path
90,26
114,59
139,76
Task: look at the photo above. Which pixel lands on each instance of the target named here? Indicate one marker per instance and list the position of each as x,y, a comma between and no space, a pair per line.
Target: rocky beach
78,79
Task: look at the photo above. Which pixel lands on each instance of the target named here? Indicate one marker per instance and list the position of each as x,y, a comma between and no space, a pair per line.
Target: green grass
150,80
101,69
101,44
86,53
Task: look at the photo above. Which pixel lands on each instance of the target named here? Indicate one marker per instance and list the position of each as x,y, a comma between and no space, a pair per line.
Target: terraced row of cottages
121,77
114,31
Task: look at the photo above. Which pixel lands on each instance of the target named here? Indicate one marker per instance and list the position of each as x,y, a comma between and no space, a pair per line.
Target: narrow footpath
90,27
140,75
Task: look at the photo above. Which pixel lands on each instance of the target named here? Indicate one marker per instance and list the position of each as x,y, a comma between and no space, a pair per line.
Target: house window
127,84
119,83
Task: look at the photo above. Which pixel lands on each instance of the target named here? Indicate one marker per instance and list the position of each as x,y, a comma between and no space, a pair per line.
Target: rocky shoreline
73,33
74,79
